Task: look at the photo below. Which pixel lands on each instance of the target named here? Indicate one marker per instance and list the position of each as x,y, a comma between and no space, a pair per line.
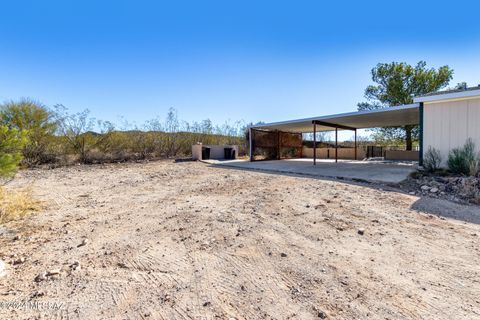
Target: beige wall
343,153
197,151
216,151
448,124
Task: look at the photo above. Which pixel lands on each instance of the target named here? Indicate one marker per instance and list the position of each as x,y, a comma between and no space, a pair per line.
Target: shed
217,152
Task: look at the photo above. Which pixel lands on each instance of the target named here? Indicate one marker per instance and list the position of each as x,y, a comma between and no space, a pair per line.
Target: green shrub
11,143
432,160
36,121
464,160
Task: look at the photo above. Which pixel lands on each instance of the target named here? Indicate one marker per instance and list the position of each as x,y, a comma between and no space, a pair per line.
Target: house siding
448,124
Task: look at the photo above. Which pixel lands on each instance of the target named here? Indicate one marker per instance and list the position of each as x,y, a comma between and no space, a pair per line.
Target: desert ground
165,240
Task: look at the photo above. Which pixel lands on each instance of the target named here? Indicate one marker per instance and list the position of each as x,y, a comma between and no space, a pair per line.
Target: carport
288,134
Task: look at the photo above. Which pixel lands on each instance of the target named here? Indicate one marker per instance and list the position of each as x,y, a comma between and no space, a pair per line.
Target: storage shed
216,152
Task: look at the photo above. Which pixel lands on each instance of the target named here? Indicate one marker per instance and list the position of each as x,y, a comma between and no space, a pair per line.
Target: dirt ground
188,241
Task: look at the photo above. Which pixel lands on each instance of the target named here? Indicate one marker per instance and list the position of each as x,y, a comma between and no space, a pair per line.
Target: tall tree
396,84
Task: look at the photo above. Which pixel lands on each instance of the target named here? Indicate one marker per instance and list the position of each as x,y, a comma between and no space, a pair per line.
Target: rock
412,193
122,265
84,242
19,260
2,269
75,266
53,272
361,231
425,188
434,190
207,303
17,237
321,314
42,276
39,293
283,255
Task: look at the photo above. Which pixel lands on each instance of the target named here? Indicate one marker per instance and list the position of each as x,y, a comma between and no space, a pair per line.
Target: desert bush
16,204
12,141
77,131
59,137
464,160
130,145
432,160
37,122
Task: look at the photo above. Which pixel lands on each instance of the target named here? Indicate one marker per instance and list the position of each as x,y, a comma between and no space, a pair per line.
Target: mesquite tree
396,84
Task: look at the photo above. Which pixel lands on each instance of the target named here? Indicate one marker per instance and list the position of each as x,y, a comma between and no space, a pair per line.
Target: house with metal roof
446,120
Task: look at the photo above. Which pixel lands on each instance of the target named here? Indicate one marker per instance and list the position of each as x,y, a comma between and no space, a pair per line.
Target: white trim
339,115
449,96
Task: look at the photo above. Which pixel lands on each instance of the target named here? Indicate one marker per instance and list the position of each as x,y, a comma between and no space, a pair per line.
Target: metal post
355,144
278,145
420,140
336,144
314,144
250,143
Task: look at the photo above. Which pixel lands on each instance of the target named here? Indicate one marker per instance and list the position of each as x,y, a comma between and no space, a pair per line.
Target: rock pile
462,189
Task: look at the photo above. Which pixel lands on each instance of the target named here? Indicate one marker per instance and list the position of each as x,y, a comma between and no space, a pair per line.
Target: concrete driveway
373,171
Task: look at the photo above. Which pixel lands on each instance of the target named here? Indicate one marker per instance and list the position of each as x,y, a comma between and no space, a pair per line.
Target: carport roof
387,117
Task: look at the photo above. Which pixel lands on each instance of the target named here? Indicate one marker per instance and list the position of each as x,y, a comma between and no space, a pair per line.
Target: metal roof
387,117
448,95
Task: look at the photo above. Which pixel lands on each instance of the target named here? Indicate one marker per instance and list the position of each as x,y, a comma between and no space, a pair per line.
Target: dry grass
15,204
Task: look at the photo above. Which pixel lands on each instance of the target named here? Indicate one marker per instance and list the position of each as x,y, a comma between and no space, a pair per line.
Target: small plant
474,167
464,160
432,160
11,143
16,204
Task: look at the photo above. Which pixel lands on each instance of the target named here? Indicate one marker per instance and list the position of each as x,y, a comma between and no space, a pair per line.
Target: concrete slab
373,171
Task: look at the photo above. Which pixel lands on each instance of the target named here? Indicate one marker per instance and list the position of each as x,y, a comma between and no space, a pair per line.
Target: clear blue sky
250,60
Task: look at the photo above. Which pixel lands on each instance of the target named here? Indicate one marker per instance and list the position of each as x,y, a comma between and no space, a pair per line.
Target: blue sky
237,60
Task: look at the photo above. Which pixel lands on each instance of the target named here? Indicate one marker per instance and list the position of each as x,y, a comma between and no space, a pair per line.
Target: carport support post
355,145
336,144
314,144
279,147
250,147
420,138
